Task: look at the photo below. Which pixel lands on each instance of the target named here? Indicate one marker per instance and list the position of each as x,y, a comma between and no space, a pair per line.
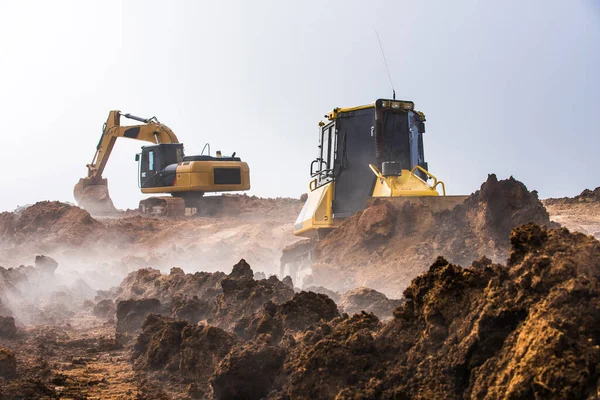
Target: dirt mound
248,371
54,222
368,300
8,363
587,196
7,327
385,246
243,296
215,297
151,283
175,348
131,314
580,213
527,330
104,309
36,295
297,314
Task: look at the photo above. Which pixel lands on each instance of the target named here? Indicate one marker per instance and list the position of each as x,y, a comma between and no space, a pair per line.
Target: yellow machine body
199,176
163,168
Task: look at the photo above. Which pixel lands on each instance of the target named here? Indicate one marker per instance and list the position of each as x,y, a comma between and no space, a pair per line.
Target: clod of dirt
7,327
179,349
387,245
192,309
377,222
243,296
248,371
132,313
368,300
104,309
46,264
8,363
297,314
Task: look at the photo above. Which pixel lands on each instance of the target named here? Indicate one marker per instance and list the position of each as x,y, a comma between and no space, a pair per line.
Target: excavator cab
158,164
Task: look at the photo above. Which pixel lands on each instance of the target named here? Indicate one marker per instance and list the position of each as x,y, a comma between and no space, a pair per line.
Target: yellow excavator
365,152
163,168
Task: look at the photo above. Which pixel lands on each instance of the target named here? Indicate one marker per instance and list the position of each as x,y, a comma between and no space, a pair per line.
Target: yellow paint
333,114
317,212
407,184
198,176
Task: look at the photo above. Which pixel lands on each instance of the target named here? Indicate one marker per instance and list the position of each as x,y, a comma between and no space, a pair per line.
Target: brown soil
527,329
580,213
8,329
104,250
385,246
368,300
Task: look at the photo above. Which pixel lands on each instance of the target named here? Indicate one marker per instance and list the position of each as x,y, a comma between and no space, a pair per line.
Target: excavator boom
92,192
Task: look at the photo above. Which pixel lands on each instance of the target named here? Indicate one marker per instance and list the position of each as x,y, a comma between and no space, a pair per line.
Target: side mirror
137,157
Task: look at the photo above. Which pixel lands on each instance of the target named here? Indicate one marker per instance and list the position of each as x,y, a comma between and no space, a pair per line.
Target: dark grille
227,176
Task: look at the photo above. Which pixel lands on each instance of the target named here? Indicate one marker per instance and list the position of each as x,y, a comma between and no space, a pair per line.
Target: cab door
322,168
148,167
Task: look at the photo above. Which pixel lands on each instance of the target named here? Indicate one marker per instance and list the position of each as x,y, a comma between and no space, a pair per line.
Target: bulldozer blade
94,197
432,203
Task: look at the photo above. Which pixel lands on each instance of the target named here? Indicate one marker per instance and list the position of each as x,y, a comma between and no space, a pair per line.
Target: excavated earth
187,319
580,213
386,246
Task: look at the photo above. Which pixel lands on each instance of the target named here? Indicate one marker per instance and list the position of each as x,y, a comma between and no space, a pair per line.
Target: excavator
163,168
365,152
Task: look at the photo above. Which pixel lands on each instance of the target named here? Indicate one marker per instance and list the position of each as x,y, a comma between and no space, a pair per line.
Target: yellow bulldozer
163,168
365,152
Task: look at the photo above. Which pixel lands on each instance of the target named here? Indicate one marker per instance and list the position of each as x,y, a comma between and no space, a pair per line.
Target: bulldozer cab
158,164
387,131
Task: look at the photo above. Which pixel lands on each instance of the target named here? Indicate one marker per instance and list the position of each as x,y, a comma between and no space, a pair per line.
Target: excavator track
164,205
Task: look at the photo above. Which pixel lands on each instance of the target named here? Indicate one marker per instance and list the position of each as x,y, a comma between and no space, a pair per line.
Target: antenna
386,66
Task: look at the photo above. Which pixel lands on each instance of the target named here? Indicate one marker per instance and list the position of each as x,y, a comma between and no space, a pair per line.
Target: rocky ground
519,319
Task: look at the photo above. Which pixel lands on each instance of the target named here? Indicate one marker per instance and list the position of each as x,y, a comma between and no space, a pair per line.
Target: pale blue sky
511,87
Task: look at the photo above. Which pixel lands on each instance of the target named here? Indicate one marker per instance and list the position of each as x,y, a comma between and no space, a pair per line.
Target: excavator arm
91,192
152,131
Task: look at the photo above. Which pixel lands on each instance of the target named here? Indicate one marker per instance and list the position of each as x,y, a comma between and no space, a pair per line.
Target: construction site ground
140,307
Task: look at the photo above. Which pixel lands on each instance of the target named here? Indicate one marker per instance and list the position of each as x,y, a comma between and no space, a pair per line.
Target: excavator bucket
94,197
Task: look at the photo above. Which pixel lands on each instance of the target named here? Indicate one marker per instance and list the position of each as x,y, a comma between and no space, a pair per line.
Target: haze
510,87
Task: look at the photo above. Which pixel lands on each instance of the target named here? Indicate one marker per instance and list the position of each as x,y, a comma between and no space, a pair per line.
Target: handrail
376,171
429,174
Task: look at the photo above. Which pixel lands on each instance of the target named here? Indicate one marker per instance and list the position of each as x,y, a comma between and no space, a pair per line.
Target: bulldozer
365,152
163,168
